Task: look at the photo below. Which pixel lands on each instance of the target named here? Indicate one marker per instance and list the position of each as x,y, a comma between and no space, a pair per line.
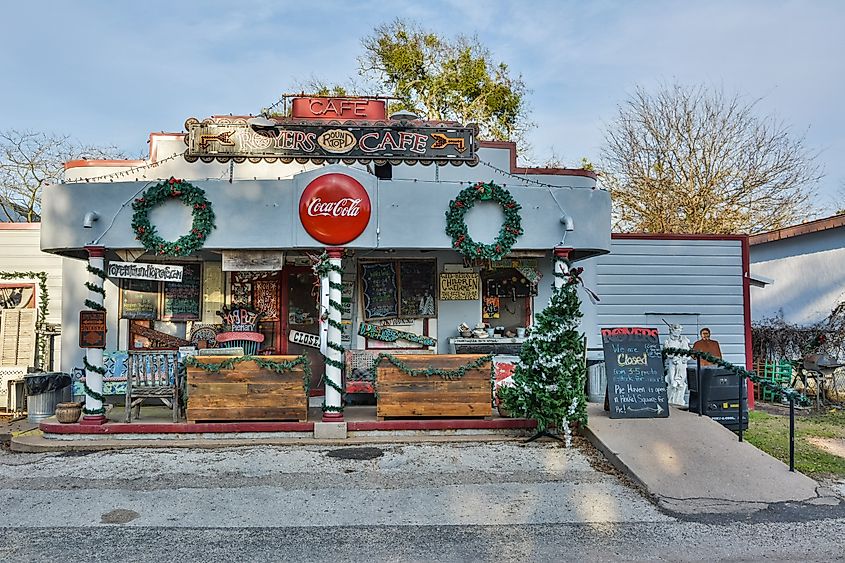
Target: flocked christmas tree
548,383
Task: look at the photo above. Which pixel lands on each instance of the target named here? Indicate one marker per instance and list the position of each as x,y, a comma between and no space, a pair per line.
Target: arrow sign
657,409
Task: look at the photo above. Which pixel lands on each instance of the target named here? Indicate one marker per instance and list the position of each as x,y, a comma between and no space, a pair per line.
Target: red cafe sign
338,108
334,208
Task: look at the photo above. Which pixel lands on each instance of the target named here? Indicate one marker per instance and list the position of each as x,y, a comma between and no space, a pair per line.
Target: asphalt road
424,502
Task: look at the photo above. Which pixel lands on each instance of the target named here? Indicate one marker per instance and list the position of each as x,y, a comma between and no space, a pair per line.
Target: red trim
96,251
445,424
746,303
103,163
676,236
334,252
561,252
175,428
796,230
238,427
514,169
332,416
93,421
19,226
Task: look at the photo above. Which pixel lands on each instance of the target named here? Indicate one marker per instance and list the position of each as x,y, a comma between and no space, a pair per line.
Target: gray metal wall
696,283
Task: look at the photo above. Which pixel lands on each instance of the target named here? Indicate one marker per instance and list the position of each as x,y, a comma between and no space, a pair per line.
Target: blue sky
109,73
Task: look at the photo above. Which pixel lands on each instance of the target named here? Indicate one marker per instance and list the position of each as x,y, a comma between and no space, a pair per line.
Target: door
301,317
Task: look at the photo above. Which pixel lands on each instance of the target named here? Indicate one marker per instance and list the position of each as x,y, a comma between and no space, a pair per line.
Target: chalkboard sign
379,290
417,286
139,299
636,387
182,299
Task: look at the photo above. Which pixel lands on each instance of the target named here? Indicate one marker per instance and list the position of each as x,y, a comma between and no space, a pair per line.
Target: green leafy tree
548,383
443,79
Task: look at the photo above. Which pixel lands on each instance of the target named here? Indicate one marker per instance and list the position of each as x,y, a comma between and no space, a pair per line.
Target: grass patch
770,433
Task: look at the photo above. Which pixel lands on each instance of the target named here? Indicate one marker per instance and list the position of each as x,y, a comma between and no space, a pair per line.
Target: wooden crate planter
403,395
247,392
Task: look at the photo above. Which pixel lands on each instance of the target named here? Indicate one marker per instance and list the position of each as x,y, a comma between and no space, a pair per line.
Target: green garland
450,374
188,194
322,268
41,314
100,273
456,226
787,392
277,367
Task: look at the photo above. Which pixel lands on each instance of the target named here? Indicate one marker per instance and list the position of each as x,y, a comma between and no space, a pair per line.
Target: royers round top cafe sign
334,208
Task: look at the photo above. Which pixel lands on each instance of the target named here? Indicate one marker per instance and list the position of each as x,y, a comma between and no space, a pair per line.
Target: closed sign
304,338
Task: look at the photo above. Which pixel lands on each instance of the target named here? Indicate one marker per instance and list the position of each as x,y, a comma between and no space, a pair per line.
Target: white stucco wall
808,273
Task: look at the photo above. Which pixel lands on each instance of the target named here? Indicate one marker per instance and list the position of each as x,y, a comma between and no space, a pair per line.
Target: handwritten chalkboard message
182,299
139,299
417,285
379,290
635,382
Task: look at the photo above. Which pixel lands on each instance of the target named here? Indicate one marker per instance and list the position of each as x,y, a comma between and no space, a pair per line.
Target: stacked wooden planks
403,395
246,392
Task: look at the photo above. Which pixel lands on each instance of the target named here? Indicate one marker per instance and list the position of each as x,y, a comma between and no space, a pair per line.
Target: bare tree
694,160
31,160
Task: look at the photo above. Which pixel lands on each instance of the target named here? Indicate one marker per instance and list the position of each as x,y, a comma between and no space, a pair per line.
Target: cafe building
253,262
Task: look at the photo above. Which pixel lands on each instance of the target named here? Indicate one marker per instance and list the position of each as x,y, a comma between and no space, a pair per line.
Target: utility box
720,396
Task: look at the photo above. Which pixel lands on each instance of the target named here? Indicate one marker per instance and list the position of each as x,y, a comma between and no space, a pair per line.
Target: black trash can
44,391
720,396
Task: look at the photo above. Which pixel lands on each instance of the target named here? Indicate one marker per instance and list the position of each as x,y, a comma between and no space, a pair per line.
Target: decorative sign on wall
459,286
339,108
379,290
334,208
139,299
252,260
92,329
182,300
417,287
636,387
224,138
138,271
239,319
304,338
387,334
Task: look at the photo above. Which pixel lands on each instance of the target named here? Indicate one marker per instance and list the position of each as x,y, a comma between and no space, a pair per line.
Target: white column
333,346
561,267
94,356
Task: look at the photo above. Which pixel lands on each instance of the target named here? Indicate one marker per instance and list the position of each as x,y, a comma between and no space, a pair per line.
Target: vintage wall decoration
188,194
458,286
138,271
334,208
226,138
387,334
92,329
304,338
456,226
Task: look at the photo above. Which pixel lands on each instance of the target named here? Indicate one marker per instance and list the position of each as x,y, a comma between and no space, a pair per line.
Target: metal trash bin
44,392
597,378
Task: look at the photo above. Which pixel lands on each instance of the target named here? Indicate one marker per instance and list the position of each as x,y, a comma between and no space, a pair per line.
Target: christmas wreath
188,194
456,226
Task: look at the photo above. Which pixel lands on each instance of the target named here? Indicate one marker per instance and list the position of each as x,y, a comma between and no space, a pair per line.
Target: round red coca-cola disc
334,208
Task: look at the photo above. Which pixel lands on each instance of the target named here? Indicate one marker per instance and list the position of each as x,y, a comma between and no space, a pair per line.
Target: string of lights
523,179
127,172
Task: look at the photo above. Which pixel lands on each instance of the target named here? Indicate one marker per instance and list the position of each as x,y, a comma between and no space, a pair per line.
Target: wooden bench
247,392
402,395
152,375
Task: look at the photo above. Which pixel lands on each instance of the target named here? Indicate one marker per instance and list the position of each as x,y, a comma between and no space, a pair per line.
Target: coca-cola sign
334,208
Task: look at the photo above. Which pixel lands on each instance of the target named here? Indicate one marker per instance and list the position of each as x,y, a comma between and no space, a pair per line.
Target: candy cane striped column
333,408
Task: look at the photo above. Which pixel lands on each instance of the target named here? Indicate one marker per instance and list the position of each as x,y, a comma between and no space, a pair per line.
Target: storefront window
507,295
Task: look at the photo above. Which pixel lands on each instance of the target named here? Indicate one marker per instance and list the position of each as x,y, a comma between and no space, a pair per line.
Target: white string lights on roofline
526,180
127,172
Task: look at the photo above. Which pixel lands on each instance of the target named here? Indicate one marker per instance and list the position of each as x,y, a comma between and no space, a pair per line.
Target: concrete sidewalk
691,464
